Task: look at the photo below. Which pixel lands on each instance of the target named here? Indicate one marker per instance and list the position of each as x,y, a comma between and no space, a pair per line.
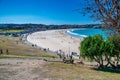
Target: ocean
82,33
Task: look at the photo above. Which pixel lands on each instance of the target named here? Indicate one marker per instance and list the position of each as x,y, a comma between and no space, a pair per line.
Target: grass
19,48
63,71
10,31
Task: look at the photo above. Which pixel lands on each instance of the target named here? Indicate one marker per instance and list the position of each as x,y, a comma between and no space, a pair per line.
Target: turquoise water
82,33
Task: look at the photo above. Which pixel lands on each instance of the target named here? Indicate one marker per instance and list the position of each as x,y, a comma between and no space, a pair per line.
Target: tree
107,11
91,48
104,52
116,41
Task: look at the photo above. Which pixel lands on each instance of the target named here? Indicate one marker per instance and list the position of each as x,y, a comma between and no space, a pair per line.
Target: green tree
92,49
104,52
116,41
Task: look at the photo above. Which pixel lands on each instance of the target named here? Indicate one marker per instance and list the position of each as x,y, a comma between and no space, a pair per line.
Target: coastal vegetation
105,52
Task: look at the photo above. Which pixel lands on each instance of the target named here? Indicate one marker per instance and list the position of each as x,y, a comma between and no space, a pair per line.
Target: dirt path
20,69
34,69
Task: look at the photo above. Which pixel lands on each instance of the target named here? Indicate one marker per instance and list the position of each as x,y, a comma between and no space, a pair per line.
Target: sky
42,12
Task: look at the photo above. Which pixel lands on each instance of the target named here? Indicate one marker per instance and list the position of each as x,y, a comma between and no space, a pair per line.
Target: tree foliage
107,11
104,52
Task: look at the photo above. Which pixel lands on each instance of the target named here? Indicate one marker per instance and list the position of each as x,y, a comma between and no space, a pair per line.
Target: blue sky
42,11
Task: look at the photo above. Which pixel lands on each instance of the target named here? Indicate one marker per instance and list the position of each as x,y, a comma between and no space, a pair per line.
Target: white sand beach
55,40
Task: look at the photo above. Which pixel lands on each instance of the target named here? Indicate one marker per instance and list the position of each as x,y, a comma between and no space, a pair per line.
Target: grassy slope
72,72
17,47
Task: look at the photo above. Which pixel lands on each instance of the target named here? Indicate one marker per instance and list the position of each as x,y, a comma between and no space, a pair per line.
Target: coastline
76,35
55,40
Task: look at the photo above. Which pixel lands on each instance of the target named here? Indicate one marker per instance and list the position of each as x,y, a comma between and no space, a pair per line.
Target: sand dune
55,40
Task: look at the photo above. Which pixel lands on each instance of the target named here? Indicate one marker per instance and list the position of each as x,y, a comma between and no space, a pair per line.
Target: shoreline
56,41
76,35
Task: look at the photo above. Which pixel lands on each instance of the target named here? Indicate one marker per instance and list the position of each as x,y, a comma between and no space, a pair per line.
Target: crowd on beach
56,42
